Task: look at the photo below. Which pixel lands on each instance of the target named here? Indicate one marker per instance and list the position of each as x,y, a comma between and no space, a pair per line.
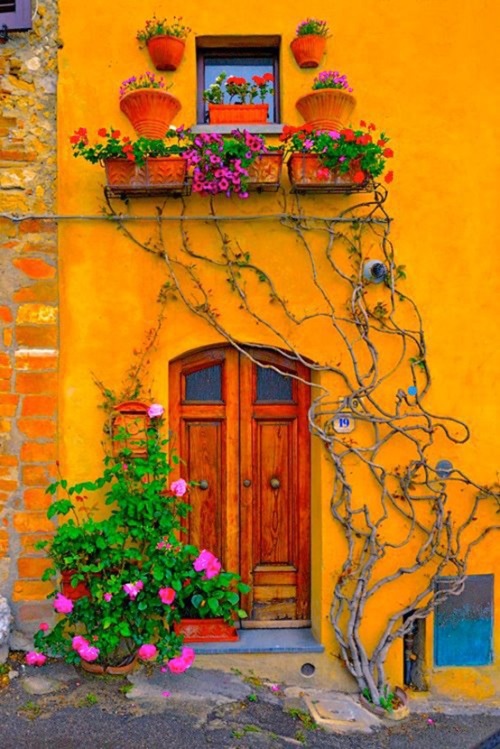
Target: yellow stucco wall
425,73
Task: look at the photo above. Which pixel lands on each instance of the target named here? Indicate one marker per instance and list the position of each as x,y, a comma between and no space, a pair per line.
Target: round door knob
275,483
247,483
204,484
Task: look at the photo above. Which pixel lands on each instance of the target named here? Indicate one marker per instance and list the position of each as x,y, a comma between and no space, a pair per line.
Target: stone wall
28,308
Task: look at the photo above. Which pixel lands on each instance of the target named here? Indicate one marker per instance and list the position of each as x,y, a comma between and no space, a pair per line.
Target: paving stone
41,685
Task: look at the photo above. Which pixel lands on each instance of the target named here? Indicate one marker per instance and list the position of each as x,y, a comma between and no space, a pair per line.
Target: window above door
241,56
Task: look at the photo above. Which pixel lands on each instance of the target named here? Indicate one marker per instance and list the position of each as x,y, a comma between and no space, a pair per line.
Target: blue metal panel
463,625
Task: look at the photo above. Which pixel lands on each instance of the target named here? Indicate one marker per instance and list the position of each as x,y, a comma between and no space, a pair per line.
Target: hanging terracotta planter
73,593
236,114
308,50
206,630
307,171
150,110
166,52
266,170
327,108
168,171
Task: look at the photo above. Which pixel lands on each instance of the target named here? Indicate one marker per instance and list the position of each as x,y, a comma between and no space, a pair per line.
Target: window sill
272,128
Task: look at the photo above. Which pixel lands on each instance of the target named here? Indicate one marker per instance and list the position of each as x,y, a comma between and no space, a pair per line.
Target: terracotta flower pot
150,110
307,170
206,630
327,108
308,50
236,114
162,171
266,169
126,667
166,52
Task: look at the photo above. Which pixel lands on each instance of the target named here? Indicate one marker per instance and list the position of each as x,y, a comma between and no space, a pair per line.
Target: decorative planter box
237,114
265,172
206,630
306,172
159,175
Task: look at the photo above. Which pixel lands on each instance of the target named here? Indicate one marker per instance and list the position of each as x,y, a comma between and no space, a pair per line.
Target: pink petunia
35,659
108,596
147,651
62,604
155,410
167,595
179,487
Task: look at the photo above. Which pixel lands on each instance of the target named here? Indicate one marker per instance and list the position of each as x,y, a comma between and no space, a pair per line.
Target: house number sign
344,423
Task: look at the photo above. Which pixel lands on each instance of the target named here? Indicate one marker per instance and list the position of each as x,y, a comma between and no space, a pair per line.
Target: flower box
206,630
169,171
220,114
265,172
307,172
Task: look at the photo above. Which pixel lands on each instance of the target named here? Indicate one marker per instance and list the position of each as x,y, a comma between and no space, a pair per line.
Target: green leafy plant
138,577
144,80
348,150
156,27
238,89
312,26
112,145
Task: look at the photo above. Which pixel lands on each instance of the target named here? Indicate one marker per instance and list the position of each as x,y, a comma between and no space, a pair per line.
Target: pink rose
182,662
43,626
108,597
179,487
35,659
133,589
79,642
89,653
62,604
155,410
167,595
146,652
213,569
203,560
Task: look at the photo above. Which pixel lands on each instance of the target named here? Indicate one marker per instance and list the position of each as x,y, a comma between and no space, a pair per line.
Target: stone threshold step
264,641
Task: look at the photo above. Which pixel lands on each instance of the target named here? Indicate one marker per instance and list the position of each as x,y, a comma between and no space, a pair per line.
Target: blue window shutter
463,625
15,14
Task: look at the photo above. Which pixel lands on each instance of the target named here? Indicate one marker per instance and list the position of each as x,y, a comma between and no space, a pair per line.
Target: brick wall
28,309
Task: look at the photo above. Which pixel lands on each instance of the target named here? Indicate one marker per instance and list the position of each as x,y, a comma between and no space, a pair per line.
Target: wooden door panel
273,524
204,445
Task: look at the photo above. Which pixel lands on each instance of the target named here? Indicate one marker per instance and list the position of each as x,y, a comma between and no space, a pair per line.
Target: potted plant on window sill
309,44
240,109
145,100
140,163
231,165
165,42
330,104
346,159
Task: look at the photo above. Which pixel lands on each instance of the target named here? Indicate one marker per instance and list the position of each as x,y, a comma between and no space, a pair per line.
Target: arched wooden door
242,433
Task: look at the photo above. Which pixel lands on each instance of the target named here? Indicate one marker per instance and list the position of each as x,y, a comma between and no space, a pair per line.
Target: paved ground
59,707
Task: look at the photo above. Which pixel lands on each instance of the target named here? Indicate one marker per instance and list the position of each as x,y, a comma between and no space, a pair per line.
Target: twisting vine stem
372,339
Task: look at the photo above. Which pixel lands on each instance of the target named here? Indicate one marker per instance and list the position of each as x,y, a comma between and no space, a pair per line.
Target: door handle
275,483
203,484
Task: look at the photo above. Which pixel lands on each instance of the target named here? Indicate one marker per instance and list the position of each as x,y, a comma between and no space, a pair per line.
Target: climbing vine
418,520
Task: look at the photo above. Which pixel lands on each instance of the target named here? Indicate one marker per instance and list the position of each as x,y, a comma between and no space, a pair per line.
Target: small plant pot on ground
400,710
